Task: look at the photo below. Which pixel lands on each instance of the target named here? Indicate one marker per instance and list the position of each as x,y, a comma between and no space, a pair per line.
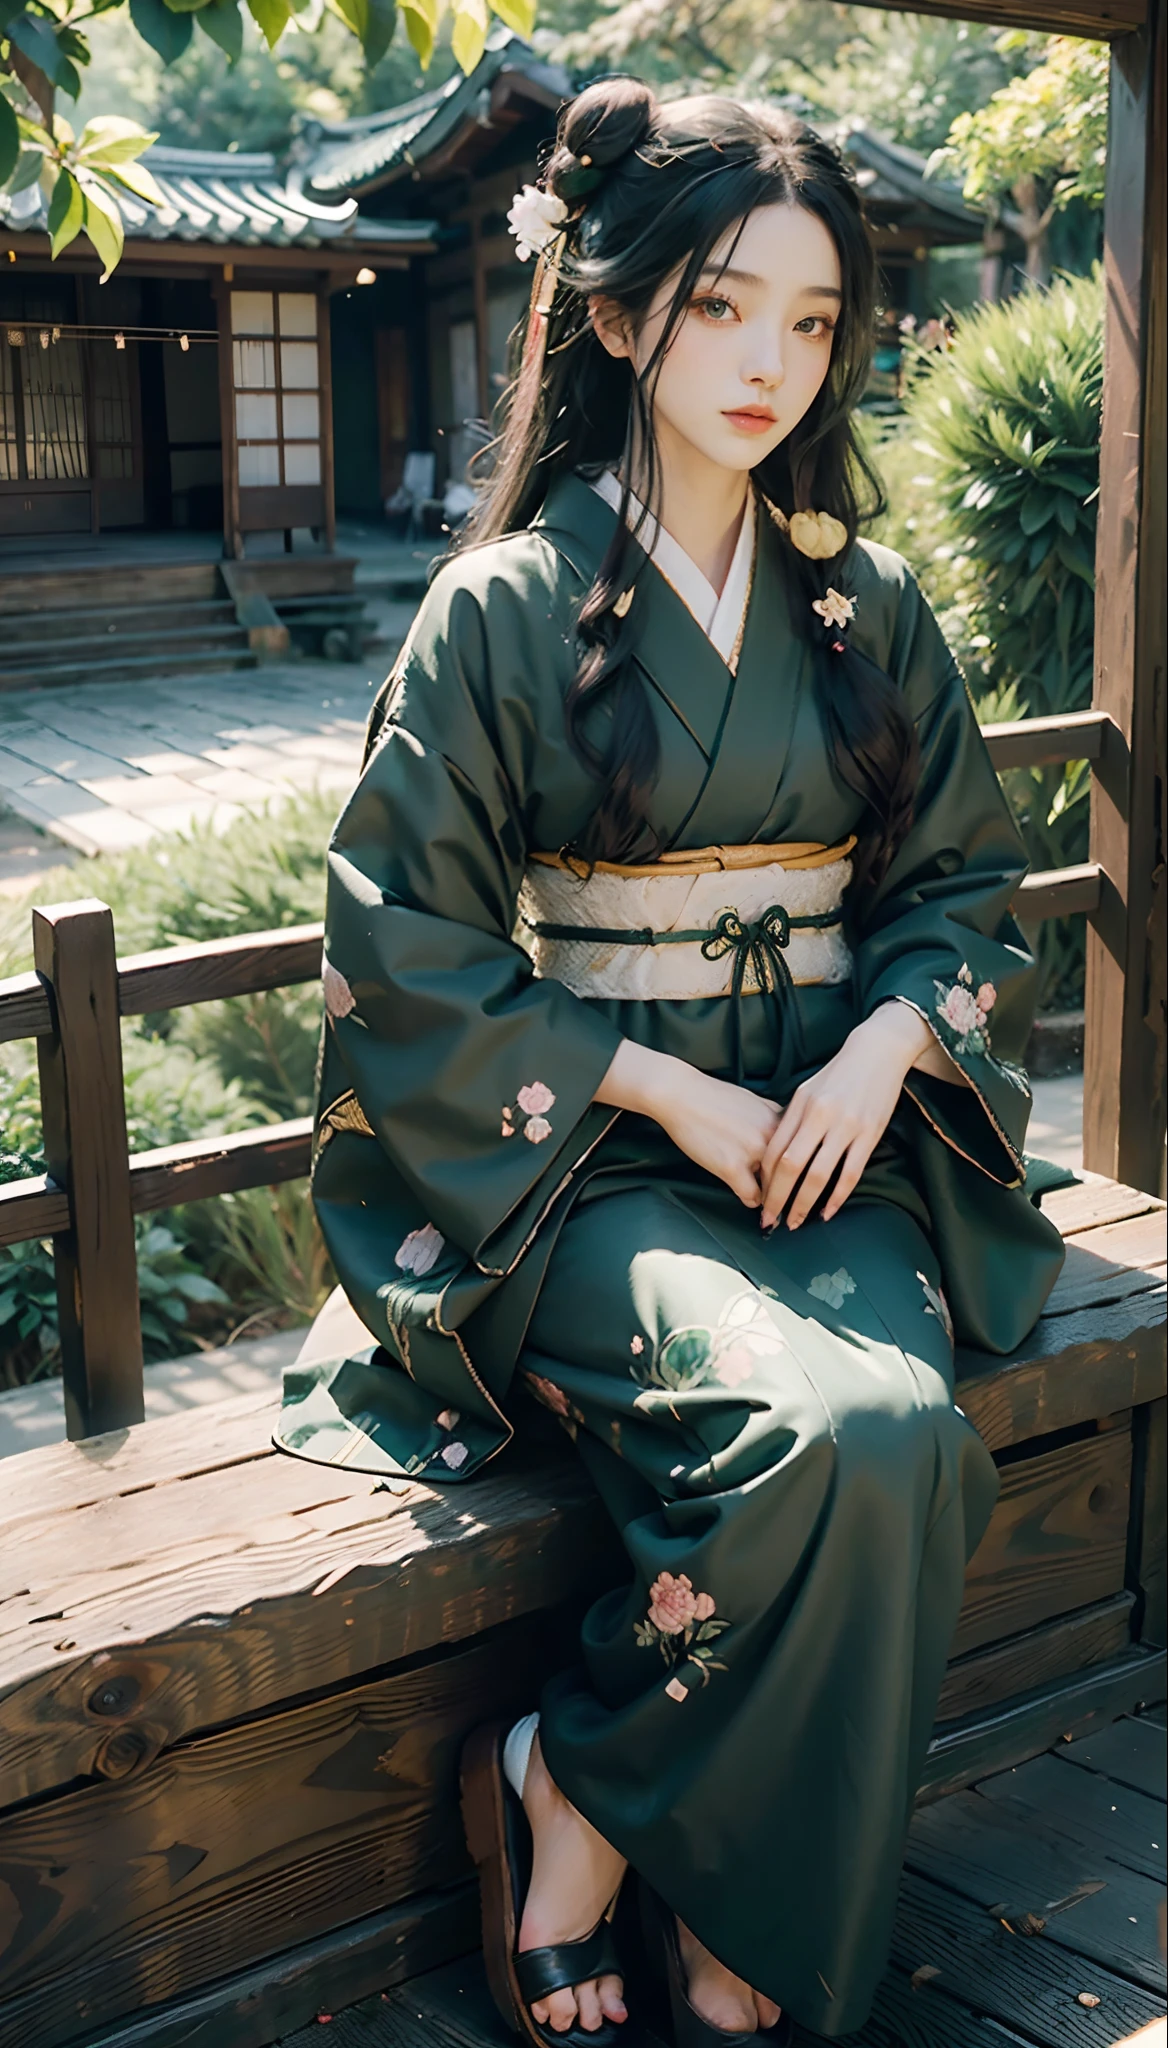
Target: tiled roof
892,179
229,197
351,156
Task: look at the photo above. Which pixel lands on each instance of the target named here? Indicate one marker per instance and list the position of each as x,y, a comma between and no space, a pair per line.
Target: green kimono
770,1419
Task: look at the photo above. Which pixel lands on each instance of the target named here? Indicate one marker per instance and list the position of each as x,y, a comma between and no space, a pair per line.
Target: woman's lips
750,421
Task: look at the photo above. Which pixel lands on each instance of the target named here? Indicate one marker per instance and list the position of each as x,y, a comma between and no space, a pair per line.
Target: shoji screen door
280,397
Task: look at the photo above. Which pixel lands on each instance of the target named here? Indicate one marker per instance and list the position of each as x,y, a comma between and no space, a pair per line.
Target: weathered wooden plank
1124,1101
1131,1752
200,1167
1034,742
227,1628
83,1113
1100,18
1052,1650
1093,1201
1060,892
199,1864
24,1008
1107,1819
31,1208
967,1750
1070,1370
1026,1873
64,1478
1105,1263
1031,1985
363,1958
1057,1540
1151,1438
174,976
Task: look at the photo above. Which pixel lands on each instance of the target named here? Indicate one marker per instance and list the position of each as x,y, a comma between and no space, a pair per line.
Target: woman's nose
765,367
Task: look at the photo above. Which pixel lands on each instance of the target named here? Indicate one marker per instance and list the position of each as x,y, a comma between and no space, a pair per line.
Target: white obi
719,952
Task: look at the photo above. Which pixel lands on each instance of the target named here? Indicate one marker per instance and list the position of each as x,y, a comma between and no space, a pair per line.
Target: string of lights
27,333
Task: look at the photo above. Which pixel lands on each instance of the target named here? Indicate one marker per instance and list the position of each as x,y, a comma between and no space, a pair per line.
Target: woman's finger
816,1179
790,1121
858,1154
787,1169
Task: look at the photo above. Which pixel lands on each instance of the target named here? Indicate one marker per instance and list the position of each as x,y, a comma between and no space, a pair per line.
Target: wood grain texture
1099,18
1092,1201
122,1897
177,975
1074,1642
975,1847
200,1167
1030,1985
1057,1540
1060,892
1071,1370
84,1120
964,1751
1152,1443
1109,1820
24,1008
1033,742
239,1593
30,1208
1130,1752
367,1956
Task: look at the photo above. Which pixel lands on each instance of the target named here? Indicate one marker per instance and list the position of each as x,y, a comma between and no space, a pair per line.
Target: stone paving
108,766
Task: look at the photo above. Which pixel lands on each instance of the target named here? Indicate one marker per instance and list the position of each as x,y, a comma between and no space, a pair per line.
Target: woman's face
753,347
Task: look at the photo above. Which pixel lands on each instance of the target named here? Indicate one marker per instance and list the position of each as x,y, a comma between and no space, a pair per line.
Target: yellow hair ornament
817,535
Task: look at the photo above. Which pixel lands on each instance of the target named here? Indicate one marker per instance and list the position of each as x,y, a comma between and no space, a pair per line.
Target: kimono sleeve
939,934
477,1079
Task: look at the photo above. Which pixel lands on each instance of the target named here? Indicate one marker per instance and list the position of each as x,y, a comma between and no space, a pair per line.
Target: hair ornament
835,610
817,535
535,219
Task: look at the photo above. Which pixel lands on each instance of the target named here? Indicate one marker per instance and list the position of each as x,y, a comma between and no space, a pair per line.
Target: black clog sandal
499,1839
690,2030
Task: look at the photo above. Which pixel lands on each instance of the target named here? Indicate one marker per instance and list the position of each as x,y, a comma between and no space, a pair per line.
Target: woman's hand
836,1119
721,1127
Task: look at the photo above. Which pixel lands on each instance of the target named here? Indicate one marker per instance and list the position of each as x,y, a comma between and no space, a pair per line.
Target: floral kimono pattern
770,1420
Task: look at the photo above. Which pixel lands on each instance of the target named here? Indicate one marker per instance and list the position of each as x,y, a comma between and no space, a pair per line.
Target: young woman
673,1001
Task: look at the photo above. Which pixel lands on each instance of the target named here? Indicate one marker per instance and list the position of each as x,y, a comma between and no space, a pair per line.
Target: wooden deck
1025,1898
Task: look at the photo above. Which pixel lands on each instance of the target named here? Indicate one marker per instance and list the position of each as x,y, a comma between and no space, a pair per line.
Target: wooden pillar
232,531
86,1152
1124,1105
482,359
327,458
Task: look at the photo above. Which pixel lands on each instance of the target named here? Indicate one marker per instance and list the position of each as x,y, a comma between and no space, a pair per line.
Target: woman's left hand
836,1119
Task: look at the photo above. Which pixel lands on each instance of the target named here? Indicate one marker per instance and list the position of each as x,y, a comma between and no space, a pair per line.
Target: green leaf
138,180
9,141
27,171
66,213
271,17
187,6
223,22
519,15
379,33
355,13
103,225
112,140
1037,507
35,40
167,34
421,19
469,37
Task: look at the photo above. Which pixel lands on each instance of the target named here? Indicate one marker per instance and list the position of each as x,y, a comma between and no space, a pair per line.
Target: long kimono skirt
770,1422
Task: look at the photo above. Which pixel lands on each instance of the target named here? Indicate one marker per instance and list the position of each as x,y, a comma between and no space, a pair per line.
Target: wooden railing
73,1003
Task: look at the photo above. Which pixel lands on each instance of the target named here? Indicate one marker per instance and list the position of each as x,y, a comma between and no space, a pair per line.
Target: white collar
720,618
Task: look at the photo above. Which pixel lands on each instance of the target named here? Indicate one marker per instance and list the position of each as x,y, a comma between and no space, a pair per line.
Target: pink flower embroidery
966,1013
960,1009
553,1397
339,999
675,1690
987,996
448,1419
734,1366
454,1455
508,1130
536,1129
637,1346
536,1099
421,1250
673,1604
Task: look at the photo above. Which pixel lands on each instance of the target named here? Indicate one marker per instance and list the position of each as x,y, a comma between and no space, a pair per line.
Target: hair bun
603,124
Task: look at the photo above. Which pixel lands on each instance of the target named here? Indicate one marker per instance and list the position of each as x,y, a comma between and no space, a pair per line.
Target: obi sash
725,921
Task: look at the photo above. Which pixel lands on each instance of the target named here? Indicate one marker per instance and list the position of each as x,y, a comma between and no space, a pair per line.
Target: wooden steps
233,1685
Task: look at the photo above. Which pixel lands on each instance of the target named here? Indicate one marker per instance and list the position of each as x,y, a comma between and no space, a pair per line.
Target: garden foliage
998,460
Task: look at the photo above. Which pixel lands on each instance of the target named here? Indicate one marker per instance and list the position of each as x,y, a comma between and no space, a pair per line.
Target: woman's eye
718,310
814,324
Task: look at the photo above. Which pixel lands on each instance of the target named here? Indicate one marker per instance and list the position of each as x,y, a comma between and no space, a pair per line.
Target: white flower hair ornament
535,218
837,613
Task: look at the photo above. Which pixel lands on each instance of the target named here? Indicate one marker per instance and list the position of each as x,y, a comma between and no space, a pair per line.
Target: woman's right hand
721,1127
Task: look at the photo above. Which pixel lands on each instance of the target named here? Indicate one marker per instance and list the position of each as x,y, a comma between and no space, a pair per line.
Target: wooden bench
233,1686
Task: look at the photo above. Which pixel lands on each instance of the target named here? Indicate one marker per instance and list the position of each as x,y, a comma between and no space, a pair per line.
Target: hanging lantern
119,341
15,338
44,337
183,343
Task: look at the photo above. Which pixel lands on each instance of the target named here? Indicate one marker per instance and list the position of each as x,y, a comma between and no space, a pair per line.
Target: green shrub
1002,434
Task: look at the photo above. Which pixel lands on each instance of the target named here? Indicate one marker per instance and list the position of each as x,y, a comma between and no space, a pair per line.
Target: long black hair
652,189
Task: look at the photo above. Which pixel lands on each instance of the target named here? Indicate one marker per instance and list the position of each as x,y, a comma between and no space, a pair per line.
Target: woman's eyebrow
749,277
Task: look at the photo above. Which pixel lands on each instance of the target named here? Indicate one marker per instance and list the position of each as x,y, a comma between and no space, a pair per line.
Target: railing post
86,1151
1124,1095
